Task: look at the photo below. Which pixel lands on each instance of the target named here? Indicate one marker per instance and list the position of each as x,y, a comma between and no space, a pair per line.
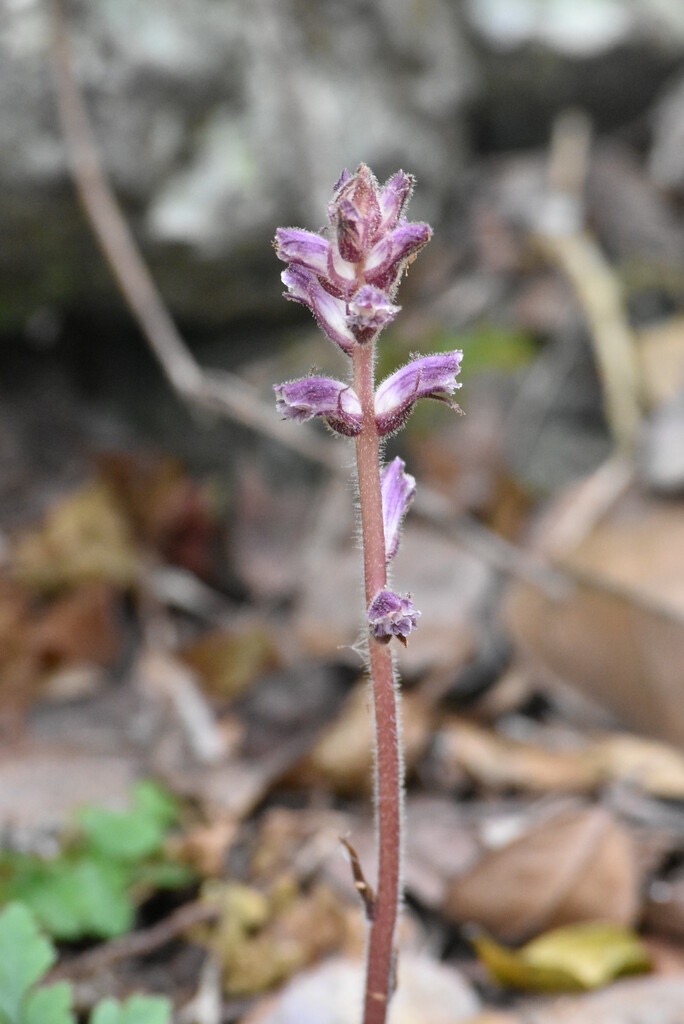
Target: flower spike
398,488
427,377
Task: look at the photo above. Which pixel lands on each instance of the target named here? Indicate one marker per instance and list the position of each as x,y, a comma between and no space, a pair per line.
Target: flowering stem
388,764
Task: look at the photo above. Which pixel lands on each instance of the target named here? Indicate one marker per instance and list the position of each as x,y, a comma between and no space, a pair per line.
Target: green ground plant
110,863
26,956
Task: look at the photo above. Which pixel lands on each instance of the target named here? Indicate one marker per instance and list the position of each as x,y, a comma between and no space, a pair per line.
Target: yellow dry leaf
84,538
575,958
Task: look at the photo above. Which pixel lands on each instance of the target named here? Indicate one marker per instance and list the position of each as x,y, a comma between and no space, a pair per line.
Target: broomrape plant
348,277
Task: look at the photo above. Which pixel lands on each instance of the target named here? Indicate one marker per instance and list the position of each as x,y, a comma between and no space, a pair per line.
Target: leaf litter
158,624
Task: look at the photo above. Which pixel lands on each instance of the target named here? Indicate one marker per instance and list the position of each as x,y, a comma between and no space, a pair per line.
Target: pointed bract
427,377
394,196
390,614
332,400
398,488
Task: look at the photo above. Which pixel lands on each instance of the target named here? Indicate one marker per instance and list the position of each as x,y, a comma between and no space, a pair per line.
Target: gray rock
217,121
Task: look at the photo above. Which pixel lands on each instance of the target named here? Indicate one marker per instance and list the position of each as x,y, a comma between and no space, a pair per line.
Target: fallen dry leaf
342,760
499,763
577,957
84,538
618,636
263,938
228,661
168,510
80,626
577,866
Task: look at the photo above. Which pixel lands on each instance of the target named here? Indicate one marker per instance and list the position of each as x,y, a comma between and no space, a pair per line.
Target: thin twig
140,943
564,241
215,391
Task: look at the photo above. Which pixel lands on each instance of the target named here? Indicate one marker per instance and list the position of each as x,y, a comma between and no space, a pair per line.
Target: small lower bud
390,614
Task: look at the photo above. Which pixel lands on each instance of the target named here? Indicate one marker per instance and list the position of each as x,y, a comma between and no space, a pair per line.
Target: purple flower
305,248
393,252
390,615
398,489
332,400
369,311
428,377
348,275
303,286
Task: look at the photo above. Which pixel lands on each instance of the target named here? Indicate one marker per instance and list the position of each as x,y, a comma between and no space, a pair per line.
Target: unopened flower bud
390,614
398,488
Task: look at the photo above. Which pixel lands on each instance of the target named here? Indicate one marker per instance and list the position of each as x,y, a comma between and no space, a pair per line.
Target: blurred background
180,583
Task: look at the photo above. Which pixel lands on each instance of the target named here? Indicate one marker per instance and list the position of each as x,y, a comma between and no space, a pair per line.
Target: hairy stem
388,763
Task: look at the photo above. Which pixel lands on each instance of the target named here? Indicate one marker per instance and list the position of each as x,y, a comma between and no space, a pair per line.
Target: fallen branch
140,943
215,391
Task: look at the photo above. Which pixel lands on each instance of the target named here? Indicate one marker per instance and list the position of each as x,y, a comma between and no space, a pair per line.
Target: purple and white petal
428,377
394,195
398,488
370,310
389,256
330,399
303,286
295,245
390,614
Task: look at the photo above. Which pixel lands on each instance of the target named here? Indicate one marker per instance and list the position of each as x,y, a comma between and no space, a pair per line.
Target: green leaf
135,834
575,958
50,1005
25,956
77,898
136,1010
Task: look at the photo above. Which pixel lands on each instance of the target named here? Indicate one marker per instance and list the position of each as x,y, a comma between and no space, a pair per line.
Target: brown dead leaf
502,763
229,660
168,510
578,866
79,627
655,768
499,763
84,538
342,760
618,636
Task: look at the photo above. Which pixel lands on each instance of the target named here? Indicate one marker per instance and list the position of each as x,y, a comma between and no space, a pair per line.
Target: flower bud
398,488
330,399
390,615
427,377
